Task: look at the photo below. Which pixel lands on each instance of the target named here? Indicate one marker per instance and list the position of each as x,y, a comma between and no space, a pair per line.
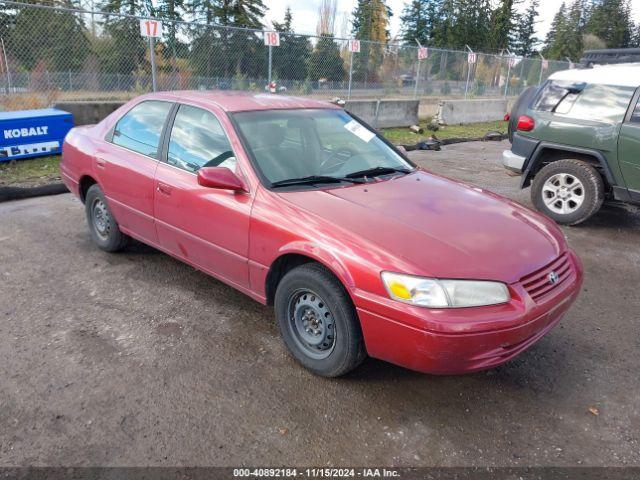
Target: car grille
538,284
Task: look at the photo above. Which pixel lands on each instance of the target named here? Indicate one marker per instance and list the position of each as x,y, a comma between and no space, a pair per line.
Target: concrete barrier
452,112
88,113
385,113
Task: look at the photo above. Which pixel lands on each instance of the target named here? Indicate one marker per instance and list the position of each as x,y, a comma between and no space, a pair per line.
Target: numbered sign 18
151,28
472,57
354,46
423,53
272,39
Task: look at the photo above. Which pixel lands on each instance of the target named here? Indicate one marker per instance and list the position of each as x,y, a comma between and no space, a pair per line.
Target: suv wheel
569,191
318,321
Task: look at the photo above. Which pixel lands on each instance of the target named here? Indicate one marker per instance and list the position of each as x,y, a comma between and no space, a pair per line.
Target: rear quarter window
600,103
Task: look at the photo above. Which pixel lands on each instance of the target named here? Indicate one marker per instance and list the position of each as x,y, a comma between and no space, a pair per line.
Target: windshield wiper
311,179
377,171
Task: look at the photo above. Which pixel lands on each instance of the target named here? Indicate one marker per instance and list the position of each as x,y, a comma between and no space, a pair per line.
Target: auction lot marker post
151,29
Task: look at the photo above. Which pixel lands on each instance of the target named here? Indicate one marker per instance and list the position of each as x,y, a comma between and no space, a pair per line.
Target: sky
305,14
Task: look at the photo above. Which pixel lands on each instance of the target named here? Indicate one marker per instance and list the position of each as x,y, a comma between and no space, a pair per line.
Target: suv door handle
101,163
164,188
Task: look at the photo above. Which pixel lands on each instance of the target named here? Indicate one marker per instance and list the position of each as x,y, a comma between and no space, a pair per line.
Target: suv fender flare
536,156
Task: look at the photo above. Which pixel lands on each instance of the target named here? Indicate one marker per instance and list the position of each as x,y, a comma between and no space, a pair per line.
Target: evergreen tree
525,40
415,22
610,21
54,40
125,50
501,26
325,60
227,53
370,23
290,58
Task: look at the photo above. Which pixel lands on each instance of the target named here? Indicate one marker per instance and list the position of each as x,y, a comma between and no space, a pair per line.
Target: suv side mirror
221,178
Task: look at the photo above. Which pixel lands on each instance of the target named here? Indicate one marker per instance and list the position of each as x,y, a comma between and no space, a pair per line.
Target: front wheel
569,191
318,322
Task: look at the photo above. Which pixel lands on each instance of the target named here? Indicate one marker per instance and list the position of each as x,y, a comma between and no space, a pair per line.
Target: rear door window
141,127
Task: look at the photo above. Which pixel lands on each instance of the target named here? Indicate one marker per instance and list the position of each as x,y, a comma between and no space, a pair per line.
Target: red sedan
302,206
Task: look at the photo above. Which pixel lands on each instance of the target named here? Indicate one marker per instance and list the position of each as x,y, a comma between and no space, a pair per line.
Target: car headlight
438,293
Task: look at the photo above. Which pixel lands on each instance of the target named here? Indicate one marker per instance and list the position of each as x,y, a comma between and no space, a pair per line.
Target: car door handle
164,188
101,163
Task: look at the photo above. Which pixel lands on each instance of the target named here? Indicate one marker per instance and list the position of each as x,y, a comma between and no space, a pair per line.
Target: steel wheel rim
311,324
101,218
563,193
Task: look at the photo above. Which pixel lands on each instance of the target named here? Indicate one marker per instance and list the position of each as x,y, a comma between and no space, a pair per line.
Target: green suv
576,141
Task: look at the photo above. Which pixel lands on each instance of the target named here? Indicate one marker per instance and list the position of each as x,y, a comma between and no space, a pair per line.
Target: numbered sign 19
472,57
272,39
423,53
151,28
354,46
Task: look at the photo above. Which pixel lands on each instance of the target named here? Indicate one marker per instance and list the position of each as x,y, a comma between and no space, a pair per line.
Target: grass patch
472,130
30,172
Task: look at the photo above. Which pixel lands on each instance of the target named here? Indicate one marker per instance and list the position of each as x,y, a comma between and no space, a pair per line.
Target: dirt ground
136,359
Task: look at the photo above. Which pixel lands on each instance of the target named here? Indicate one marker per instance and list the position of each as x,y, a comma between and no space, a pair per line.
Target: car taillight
507,117
526,124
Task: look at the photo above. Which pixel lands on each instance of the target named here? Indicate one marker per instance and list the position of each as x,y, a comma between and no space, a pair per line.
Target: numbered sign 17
272,39
354,46
151,28
472,57
423,53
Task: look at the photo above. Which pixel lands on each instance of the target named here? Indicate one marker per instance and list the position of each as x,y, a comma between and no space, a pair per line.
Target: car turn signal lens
526,123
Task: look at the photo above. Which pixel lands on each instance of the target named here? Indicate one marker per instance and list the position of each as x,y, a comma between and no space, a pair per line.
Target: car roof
233,101
627,75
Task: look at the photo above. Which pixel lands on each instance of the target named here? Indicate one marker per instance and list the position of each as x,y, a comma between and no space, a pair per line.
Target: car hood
437,227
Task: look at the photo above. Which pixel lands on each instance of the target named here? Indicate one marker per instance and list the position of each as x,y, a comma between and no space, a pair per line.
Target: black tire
104,229
295,295
520,108
592,194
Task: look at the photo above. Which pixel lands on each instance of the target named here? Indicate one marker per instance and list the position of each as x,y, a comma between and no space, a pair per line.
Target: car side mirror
221,178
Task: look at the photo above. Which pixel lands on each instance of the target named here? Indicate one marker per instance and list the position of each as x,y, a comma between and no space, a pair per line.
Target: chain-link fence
51,53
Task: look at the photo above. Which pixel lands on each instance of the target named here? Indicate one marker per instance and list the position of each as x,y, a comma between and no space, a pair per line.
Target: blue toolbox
33,133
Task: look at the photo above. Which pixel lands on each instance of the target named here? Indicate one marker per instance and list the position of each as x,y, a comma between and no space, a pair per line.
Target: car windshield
315,146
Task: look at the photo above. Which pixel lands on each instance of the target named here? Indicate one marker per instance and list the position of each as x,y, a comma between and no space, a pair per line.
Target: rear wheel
318,322
103,227
568,191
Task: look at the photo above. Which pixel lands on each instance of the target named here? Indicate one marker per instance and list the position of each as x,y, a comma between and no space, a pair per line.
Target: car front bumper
456,341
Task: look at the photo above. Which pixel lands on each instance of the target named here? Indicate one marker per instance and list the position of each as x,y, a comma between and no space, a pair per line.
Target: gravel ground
136,359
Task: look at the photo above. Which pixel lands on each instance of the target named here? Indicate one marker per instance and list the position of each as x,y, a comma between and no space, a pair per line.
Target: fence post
541,70
350,73
6,65
506,85
152,55
270,63
415,88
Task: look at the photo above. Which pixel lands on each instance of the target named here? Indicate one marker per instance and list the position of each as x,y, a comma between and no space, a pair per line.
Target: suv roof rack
610,56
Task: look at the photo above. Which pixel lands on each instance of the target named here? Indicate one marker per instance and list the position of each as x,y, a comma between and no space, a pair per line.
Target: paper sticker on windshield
359,131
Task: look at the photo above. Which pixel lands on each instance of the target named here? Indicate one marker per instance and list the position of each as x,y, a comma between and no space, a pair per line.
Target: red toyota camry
302,206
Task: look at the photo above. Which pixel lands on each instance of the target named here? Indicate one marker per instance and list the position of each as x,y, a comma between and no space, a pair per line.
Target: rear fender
533,165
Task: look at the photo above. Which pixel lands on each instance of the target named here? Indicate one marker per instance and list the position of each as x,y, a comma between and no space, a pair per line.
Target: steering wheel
214,162
341,152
